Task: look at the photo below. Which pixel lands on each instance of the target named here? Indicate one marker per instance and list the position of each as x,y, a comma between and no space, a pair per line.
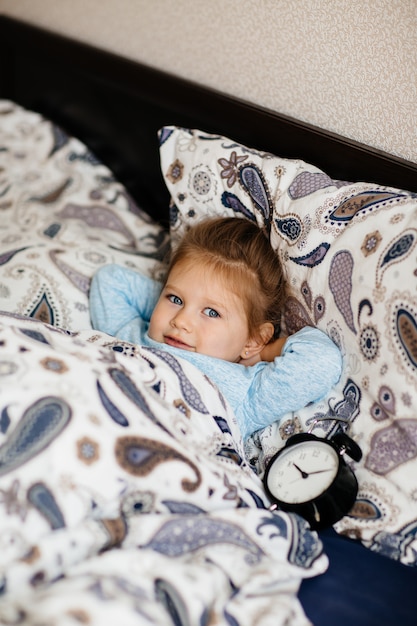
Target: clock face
303,471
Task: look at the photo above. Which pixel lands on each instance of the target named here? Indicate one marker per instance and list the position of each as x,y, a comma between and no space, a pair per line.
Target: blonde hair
240,252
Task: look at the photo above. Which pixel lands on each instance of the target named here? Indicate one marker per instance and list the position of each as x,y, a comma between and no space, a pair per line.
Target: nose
182,320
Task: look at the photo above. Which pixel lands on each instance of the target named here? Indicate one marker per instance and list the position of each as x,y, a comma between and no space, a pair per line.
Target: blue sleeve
309,366
122,302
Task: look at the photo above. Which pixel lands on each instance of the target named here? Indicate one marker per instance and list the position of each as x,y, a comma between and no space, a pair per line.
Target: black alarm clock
309,476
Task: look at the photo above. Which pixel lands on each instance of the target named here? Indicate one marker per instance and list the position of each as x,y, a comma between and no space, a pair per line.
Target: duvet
125,496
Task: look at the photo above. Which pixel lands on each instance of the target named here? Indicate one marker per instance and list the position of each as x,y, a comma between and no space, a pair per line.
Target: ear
254,345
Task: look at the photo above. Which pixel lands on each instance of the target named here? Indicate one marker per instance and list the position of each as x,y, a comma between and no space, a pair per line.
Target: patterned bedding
125,496
63,215
349,253
124,491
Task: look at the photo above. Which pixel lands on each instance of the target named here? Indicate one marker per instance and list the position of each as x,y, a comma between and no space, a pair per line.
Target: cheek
241,329
156,321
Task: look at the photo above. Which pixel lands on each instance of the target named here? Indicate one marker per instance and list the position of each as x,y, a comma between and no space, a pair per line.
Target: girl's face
197,312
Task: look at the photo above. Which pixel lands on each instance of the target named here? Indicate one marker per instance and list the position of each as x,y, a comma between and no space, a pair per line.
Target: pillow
349,253
62,216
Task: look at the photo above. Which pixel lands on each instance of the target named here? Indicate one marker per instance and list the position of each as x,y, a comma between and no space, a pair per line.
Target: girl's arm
309,366
122,301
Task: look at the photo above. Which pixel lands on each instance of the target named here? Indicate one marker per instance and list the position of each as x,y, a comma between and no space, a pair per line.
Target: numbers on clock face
302,472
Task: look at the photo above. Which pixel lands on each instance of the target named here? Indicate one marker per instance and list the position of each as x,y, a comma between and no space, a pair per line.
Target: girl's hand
256,358
273,349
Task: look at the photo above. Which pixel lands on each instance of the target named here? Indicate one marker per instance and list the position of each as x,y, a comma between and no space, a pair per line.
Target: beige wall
349,66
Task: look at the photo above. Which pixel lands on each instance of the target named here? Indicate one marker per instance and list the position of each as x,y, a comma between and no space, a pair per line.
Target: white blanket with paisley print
125,497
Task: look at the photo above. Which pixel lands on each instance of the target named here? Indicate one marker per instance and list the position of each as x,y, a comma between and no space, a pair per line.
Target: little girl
220,309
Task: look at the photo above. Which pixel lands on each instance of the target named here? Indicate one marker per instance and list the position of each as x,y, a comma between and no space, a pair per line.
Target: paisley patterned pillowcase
349,252
62,216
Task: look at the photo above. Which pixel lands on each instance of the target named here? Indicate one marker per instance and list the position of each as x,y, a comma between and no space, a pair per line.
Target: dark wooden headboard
116,106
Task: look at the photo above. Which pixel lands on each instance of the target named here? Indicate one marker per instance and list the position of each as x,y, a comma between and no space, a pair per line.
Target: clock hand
302,472
306,475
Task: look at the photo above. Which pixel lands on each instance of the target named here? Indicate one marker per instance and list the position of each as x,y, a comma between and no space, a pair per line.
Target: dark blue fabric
360,588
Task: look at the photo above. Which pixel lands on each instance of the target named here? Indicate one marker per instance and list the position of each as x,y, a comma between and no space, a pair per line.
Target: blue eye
175,299
211,312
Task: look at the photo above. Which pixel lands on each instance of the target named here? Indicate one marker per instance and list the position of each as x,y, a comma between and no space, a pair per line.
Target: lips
177,343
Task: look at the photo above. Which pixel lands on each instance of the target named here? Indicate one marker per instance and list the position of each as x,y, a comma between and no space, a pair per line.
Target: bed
126,493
